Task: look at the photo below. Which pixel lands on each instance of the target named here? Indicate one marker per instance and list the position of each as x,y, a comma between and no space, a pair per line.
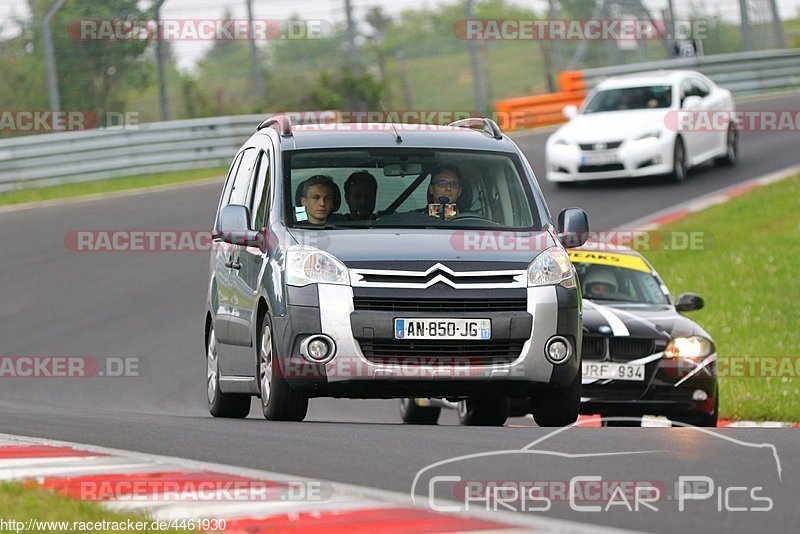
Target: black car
641,356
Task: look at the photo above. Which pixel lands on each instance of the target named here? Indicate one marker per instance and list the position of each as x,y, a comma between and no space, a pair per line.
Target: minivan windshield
439,188
625,98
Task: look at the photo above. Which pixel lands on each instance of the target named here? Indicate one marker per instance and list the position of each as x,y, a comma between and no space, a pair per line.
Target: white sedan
652,123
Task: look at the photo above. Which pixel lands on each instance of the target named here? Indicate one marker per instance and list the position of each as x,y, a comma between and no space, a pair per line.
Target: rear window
410,188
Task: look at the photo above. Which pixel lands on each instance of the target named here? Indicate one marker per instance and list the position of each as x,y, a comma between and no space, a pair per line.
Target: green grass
22,503
747,276
108,186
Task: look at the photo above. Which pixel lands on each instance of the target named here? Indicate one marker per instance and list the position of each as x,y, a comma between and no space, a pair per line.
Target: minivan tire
559,406
279,401
483,411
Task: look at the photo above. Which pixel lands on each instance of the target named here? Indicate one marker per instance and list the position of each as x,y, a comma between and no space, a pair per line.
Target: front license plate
599,158
442,328
614,371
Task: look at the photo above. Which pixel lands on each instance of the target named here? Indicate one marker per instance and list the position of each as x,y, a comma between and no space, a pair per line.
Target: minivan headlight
308,265
551,267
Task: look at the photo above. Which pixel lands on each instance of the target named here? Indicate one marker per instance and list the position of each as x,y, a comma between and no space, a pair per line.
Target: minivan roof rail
282,123
488,126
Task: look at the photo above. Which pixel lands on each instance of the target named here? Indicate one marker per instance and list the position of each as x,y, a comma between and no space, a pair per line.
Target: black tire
230,405
700,419
559,406
679,170
279,401
483,411
731,157
626,423
413,413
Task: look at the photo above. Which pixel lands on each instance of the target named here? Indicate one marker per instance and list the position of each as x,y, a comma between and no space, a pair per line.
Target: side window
226,191
241,184
259,204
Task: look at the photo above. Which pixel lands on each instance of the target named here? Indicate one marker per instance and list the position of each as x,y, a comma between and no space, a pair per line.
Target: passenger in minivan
360,191
318,197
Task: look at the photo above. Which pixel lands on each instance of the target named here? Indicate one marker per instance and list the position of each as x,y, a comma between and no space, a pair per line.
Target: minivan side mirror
689,302
570,112
573,227
234,227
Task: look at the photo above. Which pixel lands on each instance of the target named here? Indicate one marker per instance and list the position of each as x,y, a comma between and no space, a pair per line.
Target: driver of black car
599,282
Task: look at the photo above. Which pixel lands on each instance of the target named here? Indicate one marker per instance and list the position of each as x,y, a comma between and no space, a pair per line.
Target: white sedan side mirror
570,112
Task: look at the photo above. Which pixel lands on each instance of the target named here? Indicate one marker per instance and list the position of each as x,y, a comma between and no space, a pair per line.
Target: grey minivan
391,261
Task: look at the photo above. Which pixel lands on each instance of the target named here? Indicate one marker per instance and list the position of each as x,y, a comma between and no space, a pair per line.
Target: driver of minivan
445,183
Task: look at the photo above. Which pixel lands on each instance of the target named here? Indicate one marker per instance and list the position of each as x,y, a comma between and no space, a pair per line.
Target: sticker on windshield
603,258
300,213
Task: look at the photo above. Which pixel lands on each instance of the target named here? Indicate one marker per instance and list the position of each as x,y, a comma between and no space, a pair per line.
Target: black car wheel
483,411
279,401
413,413
679,161
559,406
627,422
233,405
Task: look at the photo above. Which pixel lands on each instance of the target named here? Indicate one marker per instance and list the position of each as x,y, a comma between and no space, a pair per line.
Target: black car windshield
625,98
607,282
409,188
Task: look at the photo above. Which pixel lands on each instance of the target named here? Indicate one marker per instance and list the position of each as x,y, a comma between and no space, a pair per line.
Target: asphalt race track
150,306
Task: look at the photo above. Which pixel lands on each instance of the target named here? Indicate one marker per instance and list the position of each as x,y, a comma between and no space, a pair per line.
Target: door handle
231,264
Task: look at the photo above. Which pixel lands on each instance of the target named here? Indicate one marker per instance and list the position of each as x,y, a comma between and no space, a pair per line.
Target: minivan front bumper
549,311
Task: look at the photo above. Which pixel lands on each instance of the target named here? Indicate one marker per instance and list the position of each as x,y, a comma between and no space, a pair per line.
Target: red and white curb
661,422
111,477
678,212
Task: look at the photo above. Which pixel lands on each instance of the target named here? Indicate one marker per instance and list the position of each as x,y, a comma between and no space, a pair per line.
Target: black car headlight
689,347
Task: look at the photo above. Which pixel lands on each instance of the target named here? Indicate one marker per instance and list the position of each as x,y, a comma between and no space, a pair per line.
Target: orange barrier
542,110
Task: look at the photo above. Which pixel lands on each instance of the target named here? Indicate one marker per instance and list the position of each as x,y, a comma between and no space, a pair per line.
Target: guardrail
70,157
541,110
742,73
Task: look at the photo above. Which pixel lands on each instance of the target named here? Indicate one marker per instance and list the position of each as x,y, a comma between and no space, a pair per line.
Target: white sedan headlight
551,267
649,138
308,265
689,347
562,145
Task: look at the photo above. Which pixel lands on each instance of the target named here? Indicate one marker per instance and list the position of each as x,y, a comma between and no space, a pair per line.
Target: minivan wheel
483,411
560,406
679,161
279,401
233,405
413,413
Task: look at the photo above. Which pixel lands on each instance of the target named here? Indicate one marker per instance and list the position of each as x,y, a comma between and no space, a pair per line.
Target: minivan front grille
435,352
439,305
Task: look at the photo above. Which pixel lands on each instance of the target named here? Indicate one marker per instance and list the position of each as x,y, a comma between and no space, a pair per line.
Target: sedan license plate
422,328
600,158
614,371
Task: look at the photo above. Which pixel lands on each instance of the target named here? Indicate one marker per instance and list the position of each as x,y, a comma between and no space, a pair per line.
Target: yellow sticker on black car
625,261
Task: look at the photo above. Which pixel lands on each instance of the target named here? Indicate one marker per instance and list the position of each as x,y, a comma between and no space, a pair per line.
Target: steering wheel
471,216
